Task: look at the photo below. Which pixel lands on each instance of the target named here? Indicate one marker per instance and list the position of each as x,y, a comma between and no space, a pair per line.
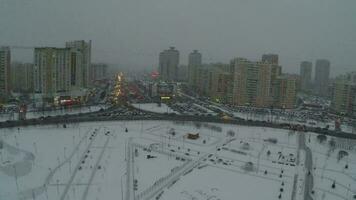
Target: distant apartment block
219,85
52,70
270,58
344,94
286,91
306,76
81,61
5,72
168,64
62,71
322,75
22,77
254,83
98,72
194,62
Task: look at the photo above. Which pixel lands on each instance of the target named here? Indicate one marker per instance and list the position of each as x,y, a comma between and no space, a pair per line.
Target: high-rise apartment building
194,62
270,58
5,75
286,91
81,60
22,77
52,70
219,84
183,73
168,64
202,83
254,82
98,71
62,71
261,84
322,73
306,76
251,83
344,94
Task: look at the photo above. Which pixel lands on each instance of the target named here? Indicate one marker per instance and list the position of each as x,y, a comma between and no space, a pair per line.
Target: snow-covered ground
329,168
154,107
157,160
274,118
37,114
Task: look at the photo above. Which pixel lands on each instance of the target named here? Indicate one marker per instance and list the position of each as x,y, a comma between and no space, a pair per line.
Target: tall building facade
270,58
322,74
194,62
81,61
262,84
168,64
98,71
5,72
286,91
22,77
183,73
306,76
219,84
202,80
62,71
344,94
254,83
52,70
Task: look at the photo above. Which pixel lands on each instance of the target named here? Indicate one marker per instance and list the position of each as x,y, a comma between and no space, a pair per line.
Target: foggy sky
133,32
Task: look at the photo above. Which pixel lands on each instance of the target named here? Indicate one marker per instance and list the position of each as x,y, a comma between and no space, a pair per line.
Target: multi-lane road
308,165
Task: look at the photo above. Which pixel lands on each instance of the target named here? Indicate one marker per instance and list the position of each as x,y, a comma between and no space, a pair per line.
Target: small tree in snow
321,138
248,166
231,133
268,153
332,144
342,154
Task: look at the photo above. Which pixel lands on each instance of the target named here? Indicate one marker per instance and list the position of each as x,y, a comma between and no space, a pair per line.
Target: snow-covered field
158,160
312,123
333,164
36,114
154,107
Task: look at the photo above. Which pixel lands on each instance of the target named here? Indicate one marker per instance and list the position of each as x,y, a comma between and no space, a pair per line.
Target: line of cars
122,112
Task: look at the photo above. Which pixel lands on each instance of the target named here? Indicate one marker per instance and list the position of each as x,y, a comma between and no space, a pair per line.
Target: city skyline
132,33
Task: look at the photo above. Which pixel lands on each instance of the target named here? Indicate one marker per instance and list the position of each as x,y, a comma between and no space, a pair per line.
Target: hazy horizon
132,32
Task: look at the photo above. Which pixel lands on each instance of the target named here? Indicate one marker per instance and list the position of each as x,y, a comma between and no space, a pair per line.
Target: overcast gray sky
133,32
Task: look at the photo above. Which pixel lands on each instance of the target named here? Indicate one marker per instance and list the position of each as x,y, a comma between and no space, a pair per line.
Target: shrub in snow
246,146
231,133
198,124
172,132
332,143
271,140
268,153
248,166
321,138
342,154
333,185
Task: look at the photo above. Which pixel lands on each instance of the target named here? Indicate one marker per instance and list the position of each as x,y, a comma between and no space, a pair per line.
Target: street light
122,190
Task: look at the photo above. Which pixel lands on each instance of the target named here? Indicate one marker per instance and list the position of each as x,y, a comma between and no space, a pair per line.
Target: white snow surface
90,161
